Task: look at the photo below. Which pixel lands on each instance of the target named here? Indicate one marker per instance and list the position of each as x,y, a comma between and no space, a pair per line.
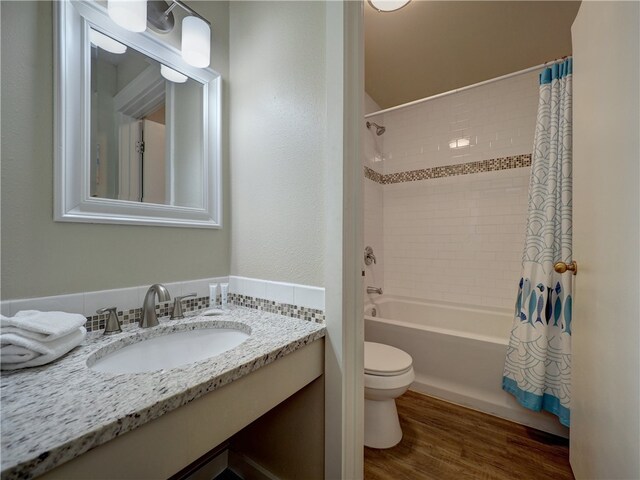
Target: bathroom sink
167,351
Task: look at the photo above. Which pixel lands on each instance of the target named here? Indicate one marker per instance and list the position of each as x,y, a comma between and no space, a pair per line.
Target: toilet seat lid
385,360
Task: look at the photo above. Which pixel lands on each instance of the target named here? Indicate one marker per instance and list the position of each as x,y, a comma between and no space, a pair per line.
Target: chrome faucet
149,318
177,306
377,290
112,325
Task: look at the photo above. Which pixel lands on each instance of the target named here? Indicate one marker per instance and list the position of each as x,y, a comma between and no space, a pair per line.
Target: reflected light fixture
388,5
196,30
171,75
106,43
459,143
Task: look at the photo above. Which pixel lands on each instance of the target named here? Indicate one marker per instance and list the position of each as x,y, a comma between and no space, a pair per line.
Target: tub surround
451,175
72,409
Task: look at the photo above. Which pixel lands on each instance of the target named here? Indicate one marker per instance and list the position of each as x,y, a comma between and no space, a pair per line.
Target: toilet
388,372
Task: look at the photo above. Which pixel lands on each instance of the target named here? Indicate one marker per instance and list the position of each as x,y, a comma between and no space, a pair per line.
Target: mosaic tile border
98,322
371,174
294,311
490,165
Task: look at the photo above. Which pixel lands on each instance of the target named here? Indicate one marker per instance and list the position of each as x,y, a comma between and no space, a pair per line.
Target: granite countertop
52,414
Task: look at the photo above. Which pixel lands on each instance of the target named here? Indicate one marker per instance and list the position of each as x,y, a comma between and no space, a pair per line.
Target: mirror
145,130
138,128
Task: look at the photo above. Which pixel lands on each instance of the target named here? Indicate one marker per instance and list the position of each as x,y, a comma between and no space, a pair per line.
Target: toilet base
381,424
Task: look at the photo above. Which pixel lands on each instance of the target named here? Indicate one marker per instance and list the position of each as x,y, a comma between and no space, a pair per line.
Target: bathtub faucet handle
369,257
377,290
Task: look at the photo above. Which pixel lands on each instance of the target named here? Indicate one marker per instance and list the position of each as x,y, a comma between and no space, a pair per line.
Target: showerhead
379,129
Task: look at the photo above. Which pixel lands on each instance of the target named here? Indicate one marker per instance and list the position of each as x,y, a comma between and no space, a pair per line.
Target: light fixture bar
189,10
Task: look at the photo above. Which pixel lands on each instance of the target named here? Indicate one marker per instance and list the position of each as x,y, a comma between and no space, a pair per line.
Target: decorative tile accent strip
493,164
294,311
98,322
371,174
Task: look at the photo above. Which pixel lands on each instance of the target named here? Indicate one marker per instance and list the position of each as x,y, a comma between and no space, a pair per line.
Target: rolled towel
47,351
16,354
41,326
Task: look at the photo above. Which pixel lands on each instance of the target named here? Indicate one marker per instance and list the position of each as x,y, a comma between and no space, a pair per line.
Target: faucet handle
113,323
177,306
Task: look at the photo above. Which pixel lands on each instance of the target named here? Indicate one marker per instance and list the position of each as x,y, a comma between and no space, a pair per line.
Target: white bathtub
458,354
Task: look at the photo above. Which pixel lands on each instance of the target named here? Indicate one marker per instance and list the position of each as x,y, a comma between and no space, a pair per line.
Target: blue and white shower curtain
538,365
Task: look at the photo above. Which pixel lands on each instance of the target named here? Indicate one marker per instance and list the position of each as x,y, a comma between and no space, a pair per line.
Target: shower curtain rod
462,89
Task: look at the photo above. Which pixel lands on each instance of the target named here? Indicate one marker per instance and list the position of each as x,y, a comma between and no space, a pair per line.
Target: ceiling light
388,5
129,14
106,43
171,75
196,42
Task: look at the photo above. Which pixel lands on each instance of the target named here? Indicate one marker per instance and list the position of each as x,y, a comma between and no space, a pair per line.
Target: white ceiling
430,47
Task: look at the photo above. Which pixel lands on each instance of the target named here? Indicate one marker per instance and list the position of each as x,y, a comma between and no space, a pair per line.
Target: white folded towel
41,326
45,351
16,354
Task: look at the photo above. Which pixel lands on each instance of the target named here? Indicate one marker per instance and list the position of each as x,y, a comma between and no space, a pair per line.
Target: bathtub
458,353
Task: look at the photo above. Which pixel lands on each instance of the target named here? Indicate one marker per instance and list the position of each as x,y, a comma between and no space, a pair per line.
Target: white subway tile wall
373,207
373,235
455,239
491,121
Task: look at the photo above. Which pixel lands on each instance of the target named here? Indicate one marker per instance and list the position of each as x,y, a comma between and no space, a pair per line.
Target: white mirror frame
72,70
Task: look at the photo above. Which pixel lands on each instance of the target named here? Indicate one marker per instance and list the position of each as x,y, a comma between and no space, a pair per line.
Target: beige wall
41,257
295,433
277,140
430,47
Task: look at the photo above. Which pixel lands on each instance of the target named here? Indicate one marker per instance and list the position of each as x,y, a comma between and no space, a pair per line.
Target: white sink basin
168,351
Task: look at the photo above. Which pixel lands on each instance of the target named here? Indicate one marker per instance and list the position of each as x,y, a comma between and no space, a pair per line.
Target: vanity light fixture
388,5
171,75
129,14
106,43
196,30
196,41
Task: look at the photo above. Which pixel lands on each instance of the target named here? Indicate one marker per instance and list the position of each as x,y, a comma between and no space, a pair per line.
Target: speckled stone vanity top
53,413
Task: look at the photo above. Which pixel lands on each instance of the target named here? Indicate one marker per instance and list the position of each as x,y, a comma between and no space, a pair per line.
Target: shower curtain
538,365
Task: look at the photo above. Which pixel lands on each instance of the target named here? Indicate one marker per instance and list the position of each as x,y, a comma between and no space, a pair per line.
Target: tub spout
377,290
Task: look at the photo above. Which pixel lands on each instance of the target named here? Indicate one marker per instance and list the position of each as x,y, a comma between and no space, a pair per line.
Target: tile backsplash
293,300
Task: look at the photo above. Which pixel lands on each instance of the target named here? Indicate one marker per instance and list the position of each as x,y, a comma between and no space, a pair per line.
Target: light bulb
171,75
196,42
129,14
106,43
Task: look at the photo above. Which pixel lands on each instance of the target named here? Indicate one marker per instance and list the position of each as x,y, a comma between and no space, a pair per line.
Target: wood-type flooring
445,441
